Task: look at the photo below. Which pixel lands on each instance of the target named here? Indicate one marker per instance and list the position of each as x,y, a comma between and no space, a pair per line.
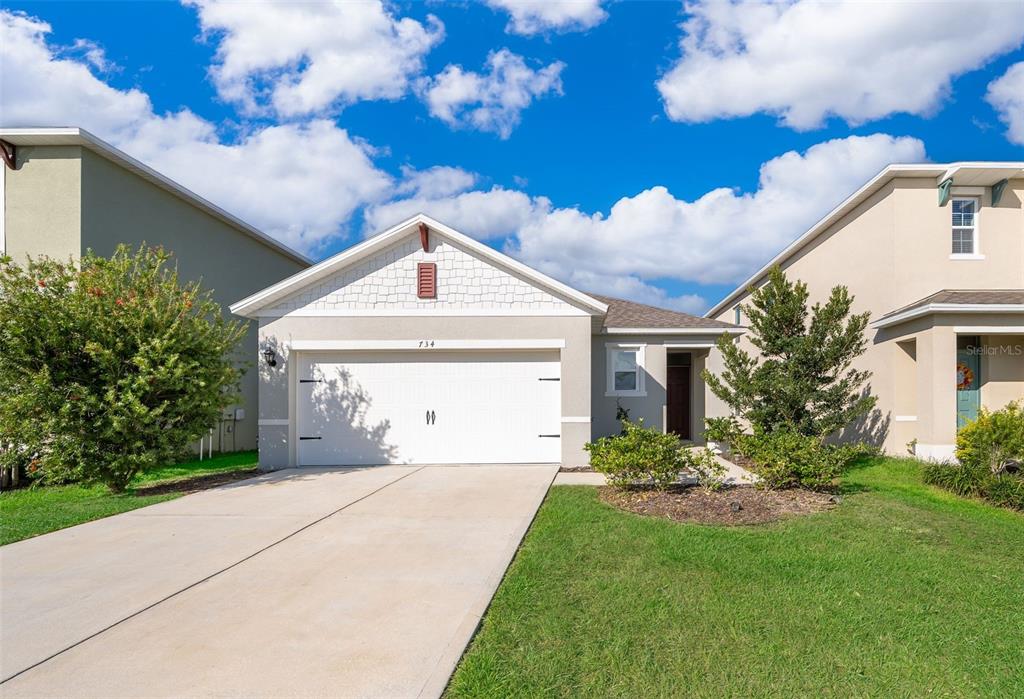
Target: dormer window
965,215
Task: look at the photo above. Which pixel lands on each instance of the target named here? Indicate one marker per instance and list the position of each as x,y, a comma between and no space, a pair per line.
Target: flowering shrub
108,368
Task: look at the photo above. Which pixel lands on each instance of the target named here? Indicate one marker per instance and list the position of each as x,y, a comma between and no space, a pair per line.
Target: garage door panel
443,407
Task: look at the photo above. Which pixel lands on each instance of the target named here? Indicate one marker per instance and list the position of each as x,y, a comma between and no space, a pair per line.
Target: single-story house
423,345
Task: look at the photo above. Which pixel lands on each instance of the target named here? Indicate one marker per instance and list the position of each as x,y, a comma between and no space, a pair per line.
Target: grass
34,511
903,590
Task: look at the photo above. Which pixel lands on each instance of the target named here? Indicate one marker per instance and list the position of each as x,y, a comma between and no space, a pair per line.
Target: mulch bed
196,483
694,504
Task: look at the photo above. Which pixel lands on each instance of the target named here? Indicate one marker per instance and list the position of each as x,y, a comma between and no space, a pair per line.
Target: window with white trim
965,215
625,370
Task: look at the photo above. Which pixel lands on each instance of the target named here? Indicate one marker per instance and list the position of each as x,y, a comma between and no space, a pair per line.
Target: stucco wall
652,406
1002,370
277,387
43,203
893,250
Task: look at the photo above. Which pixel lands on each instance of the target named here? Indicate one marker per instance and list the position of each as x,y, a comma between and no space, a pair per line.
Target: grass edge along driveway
29,512
903,590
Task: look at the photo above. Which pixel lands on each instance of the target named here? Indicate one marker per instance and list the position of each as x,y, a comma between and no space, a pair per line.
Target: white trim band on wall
426,344
905,418
273,422
989,329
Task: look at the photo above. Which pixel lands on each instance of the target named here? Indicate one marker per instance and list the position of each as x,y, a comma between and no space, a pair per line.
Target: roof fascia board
931,308
81,137
249,306
674,331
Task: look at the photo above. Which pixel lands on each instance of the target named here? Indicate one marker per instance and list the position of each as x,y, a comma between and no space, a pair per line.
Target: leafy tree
110,367
801,377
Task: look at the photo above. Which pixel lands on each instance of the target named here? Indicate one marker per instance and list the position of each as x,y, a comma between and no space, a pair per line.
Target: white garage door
359,408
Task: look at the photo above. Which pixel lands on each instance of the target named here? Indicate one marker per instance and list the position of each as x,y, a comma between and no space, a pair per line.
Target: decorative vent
426,280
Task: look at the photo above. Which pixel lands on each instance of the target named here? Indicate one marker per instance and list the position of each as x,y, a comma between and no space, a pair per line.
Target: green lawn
903,590
34,511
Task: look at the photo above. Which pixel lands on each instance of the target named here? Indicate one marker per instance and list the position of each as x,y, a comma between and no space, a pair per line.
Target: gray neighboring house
65,191
422,345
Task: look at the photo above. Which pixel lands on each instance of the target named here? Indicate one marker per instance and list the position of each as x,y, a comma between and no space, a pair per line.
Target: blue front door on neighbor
968,386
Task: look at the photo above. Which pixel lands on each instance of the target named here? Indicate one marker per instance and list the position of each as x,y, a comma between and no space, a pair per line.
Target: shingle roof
963,297
628,314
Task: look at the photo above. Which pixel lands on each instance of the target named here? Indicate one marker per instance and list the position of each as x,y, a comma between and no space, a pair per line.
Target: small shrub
723,430
786,459
638,455
992,440
708,470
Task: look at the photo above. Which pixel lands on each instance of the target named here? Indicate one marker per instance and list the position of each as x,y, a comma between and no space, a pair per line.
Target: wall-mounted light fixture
270,356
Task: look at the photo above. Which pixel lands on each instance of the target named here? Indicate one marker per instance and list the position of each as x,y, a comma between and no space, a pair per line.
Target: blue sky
714,151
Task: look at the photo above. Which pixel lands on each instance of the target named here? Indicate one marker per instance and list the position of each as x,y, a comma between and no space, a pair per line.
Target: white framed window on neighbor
625,364
964,211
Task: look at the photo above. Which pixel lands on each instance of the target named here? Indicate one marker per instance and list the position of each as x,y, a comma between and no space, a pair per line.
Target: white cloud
493,214
1006,95
300,183
718,238
528,17
94,54
491,101
438,181
809,60
304,58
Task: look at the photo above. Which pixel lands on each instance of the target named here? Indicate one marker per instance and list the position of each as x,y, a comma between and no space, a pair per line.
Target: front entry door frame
679,390
968,385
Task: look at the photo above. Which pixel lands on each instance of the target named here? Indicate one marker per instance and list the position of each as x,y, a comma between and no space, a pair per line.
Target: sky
655,151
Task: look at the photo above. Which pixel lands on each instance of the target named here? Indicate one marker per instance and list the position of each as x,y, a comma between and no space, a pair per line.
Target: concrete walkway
342,583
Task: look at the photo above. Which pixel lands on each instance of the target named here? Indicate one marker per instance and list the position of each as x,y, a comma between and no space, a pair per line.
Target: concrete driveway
307,582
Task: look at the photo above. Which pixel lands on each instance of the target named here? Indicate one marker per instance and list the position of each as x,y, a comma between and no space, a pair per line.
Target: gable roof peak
249,306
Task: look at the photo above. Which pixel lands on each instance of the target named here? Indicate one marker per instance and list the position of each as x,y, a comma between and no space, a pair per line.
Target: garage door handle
544,379
549,435
305,438
431,417
310,380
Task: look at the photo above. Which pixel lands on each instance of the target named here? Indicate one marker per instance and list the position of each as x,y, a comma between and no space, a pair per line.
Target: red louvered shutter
426,280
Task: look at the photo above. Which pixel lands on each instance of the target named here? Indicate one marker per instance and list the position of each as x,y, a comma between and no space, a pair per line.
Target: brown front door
679,400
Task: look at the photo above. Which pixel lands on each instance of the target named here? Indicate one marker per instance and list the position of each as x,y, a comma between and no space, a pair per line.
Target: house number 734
426,343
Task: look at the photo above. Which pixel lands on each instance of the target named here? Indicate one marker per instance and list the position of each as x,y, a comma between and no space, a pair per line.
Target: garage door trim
425,344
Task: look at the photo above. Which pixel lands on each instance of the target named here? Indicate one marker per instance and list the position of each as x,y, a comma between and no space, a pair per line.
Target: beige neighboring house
422,345
64,191
936,254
